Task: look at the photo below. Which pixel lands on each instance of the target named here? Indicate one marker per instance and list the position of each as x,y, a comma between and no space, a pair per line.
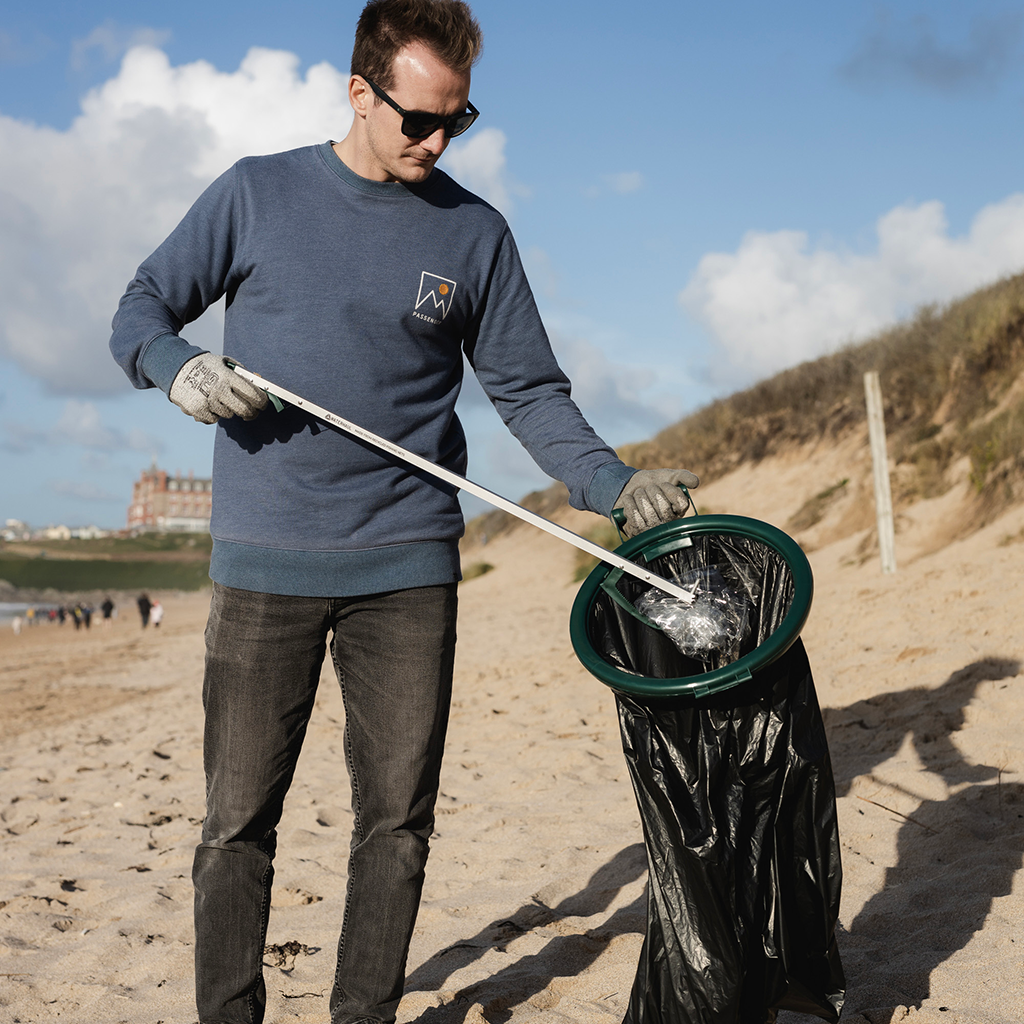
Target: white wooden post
880,465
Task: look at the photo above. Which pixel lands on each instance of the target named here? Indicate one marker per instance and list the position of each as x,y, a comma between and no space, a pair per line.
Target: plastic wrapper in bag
737,800
717,621
746,573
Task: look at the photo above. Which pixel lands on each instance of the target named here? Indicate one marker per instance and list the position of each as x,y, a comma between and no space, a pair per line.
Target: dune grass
946,375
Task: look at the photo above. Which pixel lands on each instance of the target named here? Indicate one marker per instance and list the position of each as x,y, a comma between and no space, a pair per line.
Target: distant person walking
108,610
156,613
145,605
16,625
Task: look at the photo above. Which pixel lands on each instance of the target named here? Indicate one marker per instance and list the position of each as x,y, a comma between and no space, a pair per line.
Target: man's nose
435,143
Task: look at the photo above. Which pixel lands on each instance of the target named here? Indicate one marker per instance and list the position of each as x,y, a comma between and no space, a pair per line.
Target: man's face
421,83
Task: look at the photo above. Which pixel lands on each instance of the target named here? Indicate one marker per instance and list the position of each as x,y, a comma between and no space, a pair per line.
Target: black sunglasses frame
417,124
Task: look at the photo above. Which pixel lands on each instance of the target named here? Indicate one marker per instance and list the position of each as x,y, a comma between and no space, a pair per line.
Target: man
356,274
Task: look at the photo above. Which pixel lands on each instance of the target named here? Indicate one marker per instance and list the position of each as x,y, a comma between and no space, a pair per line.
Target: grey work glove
652,496
208,390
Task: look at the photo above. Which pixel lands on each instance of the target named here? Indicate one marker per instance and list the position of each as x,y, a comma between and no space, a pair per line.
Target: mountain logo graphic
436,292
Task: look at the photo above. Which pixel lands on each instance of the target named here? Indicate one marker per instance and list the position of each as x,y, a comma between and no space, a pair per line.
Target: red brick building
173,503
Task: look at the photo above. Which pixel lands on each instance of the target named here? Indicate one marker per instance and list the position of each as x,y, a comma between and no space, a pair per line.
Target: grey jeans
394,655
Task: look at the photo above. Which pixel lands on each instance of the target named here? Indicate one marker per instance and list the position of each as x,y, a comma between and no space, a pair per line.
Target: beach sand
534,905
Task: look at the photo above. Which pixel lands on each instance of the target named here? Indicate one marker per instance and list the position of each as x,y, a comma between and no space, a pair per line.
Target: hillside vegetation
150,561
149,547
78,575
953,389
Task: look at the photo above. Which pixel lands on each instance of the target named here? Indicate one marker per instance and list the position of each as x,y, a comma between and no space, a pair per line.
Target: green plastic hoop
670,536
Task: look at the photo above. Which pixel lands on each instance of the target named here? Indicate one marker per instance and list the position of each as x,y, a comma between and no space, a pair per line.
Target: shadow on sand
564,955
954,855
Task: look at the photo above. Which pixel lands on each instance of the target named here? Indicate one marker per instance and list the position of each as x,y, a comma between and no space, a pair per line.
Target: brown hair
385,26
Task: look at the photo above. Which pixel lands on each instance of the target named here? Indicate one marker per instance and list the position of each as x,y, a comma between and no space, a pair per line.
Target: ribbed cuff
606,485
163,357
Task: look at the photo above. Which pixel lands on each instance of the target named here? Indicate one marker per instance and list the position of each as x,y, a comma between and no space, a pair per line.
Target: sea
9,609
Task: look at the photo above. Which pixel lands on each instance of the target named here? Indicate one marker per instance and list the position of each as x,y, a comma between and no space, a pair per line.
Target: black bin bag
732,779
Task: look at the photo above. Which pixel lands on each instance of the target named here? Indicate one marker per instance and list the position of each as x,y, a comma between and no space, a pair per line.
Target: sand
534,901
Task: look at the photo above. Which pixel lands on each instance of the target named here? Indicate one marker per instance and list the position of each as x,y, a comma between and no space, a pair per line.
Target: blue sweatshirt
360,296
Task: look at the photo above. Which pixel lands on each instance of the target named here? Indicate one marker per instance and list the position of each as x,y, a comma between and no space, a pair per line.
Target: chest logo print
436,294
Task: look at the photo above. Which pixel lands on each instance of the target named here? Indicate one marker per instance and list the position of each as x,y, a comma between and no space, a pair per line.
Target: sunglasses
416,124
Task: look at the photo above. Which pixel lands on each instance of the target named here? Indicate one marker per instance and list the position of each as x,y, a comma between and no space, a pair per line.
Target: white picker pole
880,466
651,578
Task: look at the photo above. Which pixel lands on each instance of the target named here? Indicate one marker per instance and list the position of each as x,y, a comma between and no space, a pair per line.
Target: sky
703,194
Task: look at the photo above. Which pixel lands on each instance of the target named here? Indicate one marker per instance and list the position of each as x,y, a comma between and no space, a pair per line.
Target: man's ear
360,95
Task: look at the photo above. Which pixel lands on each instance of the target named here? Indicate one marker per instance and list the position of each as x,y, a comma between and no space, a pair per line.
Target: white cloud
84,490
479,165
625,182
776,301
614,396
622,183
112,40
544,278
80,423
80,209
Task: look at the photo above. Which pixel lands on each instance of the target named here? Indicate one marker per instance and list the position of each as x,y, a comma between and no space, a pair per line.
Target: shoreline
51,598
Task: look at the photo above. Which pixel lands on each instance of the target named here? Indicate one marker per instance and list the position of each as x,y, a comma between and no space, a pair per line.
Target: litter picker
645,575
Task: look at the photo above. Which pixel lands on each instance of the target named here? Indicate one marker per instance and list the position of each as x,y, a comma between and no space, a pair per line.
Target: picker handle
652,579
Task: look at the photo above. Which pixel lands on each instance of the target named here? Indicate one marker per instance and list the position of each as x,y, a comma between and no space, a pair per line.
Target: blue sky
703,194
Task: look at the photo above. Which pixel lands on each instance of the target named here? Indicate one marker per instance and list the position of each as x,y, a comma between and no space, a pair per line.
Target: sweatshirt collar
393,189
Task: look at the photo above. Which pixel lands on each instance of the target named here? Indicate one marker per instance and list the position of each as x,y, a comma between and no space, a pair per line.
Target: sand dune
534,903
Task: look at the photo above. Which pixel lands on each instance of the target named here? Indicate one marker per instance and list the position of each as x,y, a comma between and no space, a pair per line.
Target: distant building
88,533
173,503
59,532
16,529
